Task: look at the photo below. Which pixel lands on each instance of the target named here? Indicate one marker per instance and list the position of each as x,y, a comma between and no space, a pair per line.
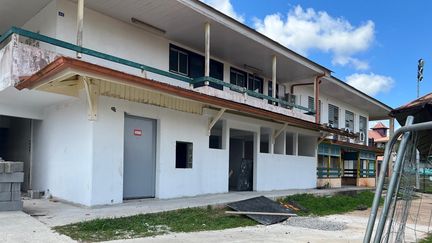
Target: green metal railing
104,56
324,172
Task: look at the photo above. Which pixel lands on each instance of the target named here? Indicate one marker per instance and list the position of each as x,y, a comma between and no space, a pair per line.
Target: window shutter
311,103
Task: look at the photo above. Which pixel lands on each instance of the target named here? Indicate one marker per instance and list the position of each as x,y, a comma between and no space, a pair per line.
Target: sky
373,45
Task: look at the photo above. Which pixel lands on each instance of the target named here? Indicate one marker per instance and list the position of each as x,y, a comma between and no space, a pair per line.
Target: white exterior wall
209,172
82,161
62,155
303,92
280,172
45,23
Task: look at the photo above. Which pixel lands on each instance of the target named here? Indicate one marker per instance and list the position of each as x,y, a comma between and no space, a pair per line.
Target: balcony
17,45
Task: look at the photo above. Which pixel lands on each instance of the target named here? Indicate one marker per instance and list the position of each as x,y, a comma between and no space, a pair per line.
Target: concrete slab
11,167
5,187
10,196
11,206
55,213
12,177
15,187
20,227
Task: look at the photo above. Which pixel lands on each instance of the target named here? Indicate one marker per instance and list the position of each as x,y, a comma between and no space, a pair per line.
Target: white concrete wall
209,172
279,172
82,161
62,152
304,92
45,23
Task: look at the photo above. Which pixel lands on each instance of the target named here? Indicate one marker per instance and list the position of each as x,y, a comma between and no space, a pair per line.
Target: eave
78,66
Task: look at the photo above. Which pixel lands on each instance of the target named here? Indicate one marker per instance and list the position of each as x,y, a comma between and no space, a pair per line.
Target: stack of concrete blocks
11,177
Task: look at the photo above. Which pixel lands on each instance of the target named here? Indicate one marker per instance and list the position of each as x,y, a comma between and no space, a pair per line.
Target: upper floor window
363,124
255,83
311,103
363,128
333,115
191,64
349,120
179,61
238,77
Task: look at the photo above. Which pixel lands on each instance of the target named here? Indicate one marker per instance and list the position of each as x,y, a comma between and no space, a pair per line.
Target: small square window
184,151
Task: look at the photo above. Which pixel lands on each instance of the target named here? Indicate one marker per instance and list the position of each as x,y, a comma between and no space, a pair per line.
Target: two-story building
112,100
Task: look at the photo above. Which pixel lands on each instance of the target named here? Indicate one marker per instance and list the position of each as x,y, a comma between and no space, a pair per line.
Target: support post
207,52
216,119
316,98
274,76
277,133
80,25
92,93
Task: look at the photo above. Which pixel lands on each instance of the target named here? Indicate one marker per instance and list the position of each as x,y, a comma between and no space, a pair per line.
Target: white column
274,64
80,24
207,52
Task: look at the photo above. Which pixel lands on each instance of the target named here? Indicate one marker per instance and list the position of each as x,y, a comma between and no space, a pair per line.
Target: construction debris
11,177
261,209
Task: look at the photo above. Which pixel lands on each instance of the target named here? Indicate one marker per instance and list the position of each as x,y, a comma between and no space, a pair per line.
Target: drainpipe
207,51
80,24
316,97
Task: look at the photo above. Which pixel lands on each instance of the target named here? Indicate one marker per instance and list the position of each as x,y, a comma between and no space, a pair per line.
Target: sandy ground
277,233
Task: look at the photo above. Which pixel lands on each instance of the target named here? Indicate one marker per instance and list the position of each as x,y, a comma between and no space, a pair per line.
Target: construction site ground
21,227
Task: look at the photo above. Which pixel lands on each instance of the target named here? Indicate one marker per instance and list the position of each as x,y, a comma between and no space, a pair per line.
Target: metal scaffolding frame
393,188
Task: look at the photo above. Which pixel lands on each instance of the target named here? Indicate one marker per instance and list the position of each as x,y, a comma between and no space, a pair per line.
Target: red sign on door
137,132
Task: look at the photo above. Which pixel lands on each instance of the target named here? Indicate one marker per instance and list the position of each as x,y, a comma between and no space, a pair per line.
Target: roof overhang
230,40
355,146
342,91
64,68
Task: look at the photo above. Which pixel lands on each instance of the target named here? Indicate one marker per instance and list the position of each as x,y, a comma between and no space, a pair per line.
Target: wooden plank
262,213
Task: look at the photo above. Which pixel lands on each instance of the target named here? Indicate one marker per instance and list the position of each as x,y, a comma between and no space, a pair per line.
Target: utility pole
419,75
419,79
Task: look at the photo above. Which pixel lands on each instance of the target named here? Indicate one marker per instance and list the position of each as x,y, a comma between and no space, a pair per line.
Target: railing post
80,25
207,52
15,39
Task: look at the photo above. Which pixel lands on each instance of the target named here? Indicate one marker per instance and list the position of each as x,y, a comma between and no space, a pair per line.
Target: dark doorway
15,144
241,160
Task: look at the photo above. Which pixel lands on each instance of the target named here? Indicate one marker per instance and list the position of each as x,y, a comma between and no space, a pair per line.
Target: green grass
428,239
144,225
326,205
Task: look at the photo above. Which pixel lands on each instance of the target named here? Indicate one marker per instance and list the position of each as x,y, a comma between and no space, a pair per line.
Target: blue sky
374,45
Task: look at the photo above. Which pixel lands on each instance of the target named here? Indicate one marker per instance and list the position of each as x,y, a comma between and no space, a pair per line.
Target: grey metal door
139,173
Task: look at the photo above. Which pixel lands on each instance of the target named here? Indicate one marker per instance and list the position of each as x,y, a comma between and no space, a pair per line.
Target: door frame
156,151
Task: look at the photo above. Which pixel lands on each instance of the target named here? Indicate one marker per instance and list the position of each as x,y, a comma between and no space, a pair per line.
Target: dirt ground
355,221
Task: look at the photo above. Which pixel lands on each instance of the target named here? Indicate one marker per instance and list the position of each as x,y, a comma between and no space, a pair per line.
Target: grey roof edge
389,108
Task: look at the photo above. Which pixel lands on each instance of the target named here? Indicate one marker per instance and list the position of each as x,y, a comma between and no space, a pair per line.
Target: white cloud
371,83
304,30
225,7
